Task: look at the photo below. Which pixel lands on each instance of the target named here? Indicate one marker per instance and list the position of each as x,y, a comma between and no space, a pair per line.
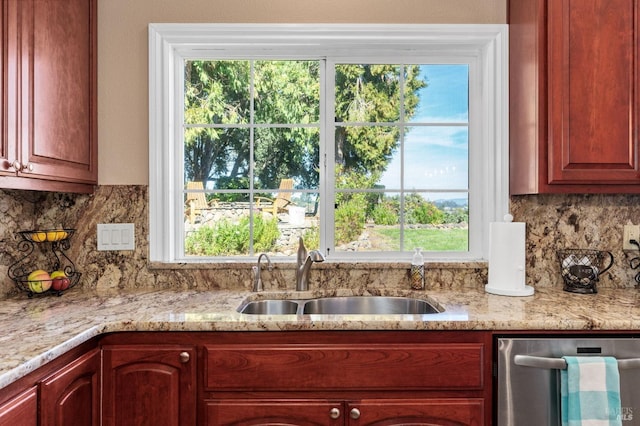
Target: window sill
328,265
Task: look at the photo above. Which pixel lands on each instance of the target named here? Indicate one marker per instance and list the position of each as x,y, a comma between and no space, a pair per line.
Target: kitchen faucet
257,281
305,260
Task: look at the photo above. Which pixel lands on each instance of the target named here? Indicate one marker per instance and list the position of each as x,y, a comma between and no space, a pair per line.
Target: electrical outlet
631,232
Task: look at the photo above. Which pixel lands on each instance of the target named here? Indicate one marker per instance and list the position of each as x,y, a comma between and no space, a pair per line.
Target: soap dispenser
417,270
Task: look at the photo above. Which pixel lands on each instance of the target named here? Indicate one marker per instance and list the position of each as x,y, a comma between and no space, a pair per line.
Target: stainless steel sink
269,307
346,305
372,305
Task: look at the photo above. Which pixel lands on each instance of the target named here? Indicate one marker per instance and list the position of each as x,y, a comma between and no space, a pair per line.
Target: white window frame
484,47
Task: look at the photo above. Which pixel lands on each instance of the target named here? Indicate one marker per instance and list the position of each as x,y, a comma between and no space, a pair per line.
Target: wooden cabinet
574,96
65,391
49,120
345,378
370,412
149,384
21,410
71,396
9,86
254,412
432,411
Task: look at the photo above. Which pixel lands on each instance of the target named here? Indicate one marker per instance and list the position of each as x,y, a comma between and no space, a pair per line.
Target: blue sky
437,157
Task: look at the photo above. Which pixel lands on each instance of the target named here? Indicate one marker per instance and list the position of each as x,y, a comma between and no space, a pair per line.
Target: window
366,140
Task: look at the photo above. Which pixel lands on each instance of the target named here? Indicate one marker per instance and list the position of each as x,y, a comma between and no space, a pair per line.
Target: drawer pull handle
184,357
355,414
334,413
560,364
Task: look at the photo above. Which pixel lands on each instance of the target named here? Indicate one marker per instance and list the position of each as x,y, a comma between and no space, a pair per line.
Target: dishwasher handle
561,364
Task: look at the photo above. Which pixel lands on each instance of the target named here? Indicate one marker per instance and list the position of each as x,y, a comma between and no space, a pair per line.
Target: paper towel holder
513,283
527,290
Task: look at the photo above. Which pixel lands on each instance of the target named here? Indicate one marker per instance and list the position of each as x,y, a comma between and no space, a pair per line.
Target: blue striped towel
590,392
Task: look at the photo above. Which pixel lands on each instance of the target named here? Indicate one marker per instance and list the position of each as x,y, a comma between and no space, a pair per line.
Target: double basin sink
341,305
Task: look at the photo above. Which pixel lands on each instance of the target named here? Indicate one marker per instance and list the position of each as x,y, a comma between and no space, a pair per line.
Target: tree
371,93
287,92
217,93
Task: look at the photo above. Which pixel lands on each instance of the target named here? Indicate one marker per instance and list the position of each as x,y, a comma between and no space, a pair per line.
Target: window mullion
327,155
402,129
251,150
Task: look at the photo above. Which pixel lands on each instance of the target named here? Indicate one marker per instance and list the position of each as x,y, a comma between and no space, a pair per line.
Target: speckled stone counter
37,331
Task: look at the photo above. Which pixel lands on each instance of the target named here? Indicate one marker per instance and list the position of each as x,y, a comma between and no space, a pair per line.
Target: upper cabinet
574,96
49,102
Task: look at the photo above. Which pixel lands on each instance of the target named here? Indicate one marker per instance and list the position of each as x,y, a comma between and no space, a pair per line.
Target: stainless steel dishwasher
528,376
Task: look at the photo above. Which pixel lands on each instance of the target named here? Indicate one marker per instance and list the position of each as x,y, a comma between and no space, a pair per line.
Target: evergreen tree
287,92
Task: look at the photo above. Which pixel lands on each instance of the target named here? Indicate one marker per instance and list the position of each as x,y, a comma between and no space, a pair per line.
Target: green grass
453,239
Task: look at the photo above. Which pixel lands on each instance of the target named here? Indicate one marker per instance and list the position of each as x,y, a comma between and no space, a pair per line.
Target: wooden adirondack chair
197,201
280,203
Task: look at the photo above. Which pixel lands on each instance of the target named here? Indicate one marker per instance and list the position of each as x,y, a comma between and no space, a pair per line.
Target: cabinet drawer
348,367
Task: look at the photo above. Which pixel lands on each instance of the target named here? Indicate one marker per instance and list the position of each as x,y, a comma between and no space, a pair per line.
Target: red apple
59,281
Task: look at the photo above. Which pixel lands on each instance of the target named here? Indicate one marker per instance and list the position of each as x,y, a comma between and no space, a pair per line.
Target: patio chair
280,203
197,201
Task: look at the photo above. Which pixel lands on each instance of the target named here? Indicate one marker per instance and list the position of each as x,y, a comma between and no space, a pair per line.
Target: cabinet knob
334,413
354,414
184,357
19,167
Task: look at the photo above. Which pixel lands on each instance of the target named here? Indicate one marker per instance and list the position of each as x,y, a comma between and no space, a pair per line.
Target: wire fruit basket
29,273
581,268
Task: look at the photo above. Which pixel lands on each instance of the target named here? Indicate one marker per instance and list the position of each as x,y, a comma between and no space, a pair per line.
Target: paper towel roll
507,269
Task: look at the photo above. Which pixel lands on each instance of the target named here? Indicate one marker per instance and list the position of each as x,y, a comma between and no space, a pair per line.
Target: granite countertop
36,331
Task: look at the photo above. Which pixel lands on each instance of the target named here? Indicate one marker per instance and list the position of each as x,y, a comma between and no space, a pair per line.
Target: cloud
420,138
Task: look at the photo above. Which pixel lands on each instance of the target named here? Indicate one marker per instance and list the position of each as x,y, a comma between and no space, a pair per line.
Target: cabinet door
21,410
71,396
426,412
274,412
8,88
593,105
58,90
149,385
5,155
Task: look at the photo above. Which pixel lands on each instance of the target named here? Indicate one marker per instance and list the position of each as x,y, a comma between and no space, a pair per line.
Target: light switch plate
116,236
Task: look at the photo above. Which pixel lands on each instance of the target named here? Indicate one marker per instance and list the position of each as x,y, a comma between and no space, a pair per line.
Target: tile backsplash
553,222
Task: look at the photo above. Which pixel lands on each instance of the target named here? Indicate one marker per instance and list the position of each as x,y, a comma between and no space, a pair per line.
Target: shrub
421,211
459,215
426,213
352,179
349,220
385,213
226,238
311,238
265,233
200,242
